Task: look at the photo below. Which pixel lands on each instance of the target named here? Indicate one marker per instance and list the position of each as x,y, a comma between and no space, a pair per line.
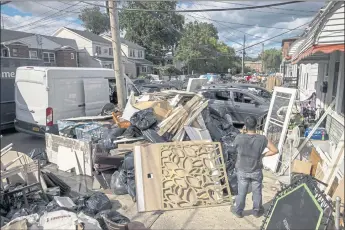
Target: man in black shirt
250,147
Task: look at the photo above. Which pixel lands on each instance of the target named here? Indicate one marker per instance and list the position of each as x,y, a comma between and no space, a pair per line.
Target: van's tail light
49,117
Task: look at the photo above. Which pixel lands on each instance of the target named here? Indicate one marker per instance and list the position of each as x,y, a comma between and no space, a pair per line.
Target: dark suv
239,103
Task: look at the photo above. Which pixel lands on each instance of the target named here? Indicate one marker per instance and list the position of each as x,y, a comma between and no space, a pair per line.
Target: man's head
250,123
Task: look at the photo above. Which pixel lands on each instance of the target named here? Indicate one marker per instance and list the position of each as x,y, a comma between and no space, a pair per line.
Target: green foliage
94,20
272,59
152,30
201,50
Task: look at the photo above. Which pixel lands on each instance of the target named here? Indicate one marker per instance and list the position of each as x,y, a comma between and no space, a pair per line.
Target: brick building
53,51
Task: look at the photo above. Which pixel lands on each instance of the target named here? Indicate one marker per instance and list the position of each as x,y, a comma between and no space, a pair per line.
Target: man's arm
272,149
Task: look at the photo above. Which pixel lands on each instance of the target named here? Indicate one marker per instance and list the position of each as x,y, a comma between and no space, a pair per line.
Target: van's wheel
108,109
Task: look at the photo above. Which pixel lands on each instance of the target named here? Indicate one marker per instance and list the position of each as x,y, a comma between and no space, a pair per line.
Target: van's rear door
31,96
96,95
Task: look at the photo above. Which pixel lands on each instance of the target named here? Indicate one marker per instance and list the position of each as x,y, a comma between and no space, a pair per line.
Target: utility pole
262,57
243,54
116,44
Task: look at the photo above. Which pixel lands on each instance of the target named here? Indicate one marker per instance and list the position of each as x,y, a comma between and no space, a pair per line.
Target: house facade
254,65
96,51
286,68
317,60
53,51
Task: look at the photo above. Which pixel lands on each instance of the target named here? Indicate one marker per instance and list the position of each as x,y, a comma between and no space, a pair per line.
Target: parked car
239,103
255,89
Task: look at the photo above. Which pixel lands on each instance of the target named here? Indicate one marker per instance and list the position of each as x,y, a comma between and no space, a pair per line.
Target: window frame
49,58
15,52
110,51
98,48
72,56
33,51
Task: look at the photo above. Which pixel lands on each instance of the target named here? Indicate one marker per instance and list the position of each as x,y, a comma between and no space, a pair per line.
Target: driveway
21,142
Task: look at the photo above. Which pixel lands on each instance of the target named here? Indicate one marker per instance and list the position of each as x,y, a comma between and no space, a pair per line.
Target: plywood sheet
180,175
315,159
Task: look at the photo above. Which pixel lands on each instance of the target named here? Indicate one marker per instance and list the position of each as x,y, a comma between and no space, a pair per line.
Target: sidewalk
201,218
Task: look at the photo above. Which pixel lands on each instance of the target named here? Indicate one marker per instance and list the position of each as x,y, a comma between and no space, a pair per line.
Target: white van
44,95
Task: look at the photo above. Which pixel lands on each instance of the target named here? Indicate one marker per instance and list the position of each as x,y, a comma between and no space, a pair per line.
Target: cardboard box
301,167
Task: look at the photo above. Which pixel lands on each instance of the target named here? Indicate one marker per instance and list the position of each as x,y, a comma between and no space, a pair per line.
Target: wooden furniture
30,187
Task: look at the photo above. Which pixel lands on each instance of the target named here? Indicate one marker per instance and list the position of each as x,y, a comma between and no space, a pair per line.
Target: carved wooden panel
193,175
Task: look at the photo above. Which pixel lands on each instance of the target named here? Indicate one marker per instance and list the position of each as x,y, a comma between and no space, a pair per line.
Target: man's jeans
255,178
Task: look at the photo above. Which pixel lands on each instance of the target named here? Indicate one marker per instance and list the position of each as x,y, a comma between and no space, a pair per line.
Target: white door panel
96,95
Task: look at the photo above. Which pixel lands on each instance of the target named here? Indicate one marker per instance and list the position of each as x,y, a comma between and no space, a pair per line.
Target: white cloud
225,21
232,33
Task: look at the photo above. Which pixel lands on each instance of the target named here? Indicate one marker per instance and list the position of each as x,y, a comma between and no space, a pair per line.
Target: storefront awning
319,48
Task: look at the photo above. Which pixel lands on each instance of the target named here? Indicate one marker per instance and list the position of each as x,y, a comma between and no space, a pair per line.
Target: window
105,51
140,53
143,69
242,98
111,51
4,52
131,53
98,50
72,55
223,95
15,52
48,57
33,54
335,79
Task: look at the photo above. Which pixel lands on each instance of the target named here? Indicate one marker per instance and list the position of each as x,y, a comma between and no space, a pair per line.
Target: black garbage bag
233,183
132,131
109,135
110,215
115,217
128,161
98,202
118,182
144,119
218,110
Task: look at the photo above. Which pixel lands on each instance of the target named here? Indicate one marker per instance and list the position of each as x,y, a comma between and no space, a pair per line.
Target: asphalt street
21,142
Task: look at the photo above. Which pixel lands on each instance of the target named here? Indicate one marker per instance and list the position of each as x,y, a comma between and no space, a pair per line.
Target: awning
319,48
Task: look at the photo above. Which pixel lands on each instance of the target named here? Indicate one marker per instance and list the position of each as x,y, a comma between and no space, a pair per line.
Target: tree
94,20
201,50
272,59
156,31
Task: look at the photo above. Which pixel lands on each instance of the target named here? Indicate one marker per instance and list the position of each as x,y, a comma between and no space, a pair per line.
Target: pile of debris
105,147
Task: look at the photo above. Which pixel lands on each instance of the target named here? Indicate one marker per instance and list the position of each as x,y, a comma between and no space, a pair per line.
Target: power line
45,18
273,37
240,30
203,10
235,23
303,11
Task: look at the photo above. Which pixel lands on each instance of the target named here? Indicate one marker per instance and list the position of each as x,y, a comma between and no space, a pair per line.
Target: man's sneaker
238,215
258,214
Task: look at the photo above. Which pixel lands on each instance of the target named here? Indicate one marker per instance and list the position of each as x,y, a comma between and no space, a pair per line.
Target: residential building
96,51
286,67
318,63
134,54
254,65
52,50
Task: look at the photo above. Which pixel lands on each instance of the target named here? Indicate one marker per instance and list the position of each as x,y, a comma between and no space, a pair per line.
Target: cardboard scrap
301,167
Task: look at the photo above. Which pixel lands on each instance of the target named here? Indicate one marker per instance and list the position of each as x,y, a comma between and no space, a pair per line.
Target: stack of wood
182,116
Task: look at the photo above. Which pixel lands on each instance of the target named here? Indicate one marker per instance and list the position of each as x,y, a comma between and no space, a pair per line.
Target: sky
45,17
